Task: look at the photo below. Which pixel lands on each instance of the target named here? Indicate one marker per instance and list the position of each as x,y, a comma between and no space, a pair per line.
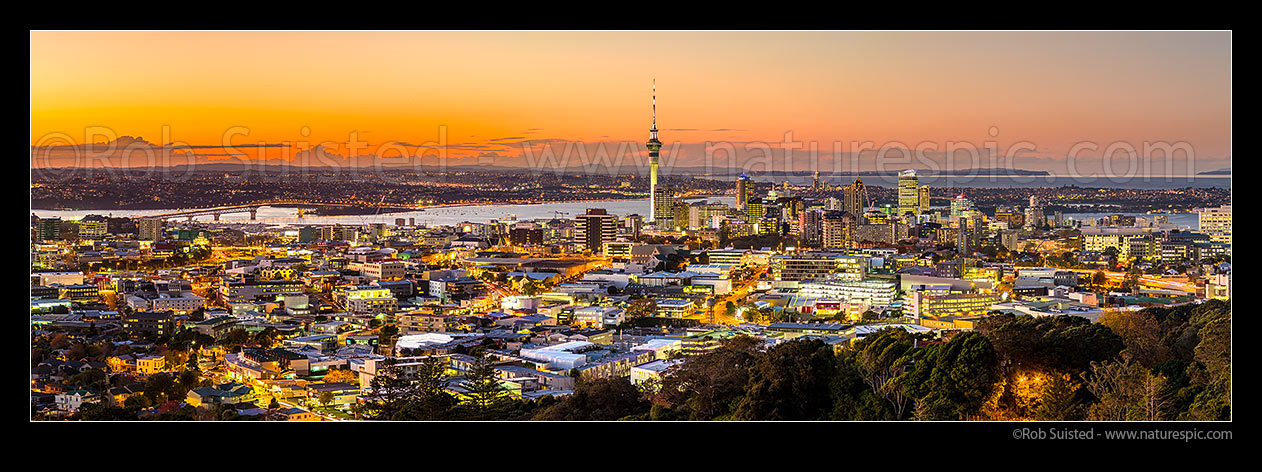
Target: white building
1099,238
599,316
875,293
1047,274
63,278
369,299
1050,308
560,356
384,270
722,285
1216,223
651,372
520,302
73,400
662,347
182,302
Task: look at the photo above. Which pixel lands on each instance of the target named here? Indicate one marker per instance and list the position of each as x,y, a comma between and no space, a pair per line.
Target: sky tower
654,145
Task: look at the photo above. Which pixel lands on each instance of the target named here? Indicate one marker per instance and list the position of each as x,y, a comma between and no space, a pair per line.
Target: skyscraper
810,227
663,207
594,228
702,214
151,228
837,229
744,191
654,145
924,199
679,214
632,224
854,197
50,228
1216,223
754,209
790,208
1034,213
960,205
832,203
908,193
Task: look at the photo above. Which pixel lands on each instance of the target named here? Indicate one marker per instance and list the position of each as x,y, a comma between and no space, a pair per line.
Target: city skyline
1001,229
559,91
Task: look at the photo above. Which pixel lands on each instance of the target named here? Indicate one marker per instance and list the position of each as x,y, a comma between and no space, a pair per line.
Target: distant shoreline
461,205
393,209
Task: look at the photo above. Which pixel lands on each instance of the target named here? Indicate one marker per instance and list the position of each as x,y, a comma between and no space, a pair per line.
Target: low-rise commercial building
921,303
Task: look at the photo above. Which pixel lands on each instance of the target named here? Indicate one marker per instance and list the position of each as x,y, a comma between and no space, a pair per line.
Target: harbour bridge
252,208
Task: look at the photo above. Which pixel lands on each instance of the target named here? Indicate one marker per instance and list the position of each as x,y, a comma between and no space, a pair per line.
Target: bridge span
251,208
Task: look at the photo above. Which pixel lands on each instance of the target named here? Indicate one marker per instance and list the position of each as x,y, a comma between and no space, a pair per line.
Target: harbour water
483,213
1014,181
449,215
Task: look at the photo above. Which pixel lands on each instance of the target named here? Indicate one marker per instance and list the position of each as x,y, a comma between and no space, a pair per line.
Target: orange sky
1049,88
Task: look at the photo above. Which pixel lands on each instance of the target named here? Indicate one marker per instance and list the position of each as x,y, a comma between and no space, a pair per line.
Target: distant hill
894,173
977,171
278,167
1225,171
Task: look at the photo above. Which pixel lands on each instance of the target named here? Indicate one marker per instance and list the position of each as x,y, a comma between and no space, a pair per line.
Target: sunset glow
492,90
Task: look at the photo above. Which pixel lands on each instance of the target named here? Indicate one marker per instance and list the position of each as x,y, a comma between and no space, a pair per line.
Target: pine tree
485,393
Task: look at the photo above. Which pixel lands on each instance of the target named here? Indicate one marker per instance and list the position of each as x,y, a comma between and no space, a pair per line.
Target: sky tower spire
654,129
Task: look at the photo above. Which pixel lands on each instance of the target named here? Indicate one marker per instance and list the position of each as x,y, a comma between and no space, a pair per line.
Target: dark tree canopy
790,382
1060,343
598,400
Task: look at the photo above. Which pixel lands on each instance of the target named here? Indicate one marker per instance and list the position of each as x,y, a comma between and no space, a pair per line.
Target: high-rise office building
631,225
663,206
1216,223
874,217
754,209
151,229
594,228
771,221
1034,213
790,208
702,214
308,234
680,210
908,193
855,198
924,199
810,224
837,229
93,226
960,205
525,234
1014,217
49,229
744,191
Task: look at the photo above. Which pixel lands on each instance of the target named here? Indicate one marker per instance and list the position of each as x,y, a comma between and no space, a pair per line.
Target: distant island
920,172
1216,172
976,171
